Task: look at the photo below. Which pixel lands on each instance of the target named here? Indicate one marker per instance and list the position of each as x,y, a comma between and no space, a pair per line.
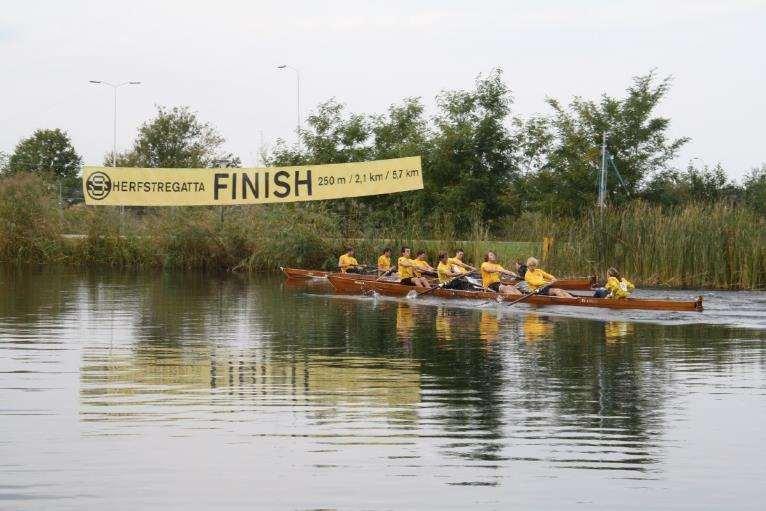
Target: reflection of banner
127,186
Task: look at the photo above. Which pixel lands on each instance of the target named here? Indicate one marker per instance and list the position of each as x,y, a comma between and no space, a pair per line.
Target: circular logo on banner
98,185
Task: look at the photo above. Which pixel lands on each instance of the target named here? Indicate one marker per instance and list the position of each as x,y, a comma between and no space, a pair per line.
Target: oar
527,296
386,273
431,290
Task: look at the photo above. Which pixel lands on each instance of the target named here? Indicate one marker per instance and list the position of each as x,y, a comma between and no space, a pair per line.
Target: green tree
4,160
638,140
471,166
694,185
755,189
48,151
176,138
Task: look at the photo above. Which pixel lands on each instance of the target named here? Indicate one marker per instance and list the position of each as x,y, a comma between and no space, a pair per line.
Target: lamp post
298,87
114,87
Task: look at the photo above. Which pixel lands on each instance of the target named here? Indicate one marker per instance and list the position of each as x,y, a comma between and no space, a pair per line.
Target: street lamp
114,87
298,83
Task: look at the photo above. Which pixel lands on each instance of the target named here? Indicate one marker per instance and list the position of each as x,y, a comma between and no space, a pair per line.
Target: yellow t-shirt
455,262
384,262
619,288
405,272
489,273
444,270
420,264
537,278
345,261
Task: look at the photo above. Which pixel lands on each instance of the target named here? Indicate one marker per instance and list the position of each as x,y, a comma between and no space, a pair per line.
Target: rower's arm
548,276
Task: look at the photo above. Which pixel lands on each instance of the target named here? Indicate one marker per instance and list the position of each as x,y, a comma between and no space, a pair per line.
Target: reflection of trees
29,295
481,374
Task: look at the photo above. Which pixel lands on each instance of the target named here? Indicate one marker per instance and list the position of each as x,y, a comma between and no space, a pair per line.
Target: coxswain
616,286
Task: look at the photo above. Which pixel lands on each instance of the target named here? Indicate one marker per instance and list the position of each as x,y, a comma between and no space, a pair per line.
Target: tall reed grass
712,246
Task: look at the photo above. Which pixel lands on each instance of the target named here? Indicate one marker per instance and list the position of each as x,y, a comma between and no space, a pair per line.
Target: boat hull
351,285
576,284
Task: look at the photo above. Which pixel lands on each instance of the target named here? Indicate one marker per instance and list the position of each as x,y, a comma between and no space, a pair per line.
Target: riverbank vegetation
492,180
712,246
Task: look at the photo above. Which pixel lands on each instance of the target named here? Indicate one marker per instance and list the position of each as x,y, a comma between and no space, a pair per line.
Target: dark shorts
545,291
407,281
495,286
600,293
353,270
458,284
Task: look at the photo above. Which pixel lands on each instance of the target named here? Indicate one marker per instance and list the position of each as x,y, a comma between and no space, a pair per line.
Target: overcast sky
220,58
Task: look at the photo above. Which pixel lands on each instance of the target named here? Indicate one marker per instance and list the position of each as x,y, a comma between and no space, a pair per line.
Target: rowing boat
297,273
344,283
575,284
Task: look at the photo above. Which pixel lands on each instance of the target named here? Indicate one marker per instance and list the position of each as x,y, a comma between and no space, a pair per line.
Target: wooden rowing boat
297,273
353,285
575,284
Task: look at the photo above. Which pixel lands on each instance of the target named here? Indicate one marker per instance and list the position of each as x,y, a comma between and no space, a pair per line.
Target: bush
30,219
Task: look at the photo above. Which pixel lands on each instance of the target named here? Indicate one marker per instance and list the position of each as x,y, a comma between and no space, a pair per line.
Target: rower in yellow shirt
490,276
449,276
617,285
458,261
384,261
540,282
406,268
421,264
348,263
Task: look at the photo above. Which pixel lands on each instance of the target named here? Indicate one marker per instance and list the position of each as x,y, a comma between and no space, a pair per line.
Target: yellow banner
129,186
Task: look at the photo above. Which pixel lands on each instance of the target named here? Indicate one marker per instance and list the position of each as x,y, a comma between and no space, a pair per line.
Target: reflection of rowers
489,327
616,330
405,322
536,328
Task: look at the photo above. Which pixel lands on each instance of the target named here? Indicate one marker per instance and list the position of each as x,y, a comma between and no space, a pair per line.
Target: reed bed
700,246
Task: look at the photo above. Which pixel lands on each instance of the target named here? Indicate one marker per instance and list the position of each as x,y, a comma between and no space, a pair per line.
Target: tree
4,160
46,151
755,189
694,185
638,140
176,138
471,166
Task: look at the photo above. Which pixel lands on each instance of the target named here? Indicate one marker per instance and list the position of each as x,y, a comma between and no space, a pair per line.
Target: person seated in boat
540,282
406,268
521,271
491,274
384,261
616,286
422,266
458,261
450,277
348,263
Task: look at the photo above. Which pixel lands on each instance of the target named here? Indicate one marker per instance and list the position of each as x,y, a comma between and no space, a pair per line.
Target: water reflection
460,395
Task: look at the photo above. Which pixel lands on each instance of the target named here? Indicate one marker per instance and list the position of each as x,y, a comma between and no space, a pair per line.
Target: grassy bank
715,246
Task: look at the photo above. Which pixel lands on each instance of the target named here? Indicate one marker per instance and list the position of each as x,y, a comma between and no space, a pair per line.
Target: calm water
202,392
